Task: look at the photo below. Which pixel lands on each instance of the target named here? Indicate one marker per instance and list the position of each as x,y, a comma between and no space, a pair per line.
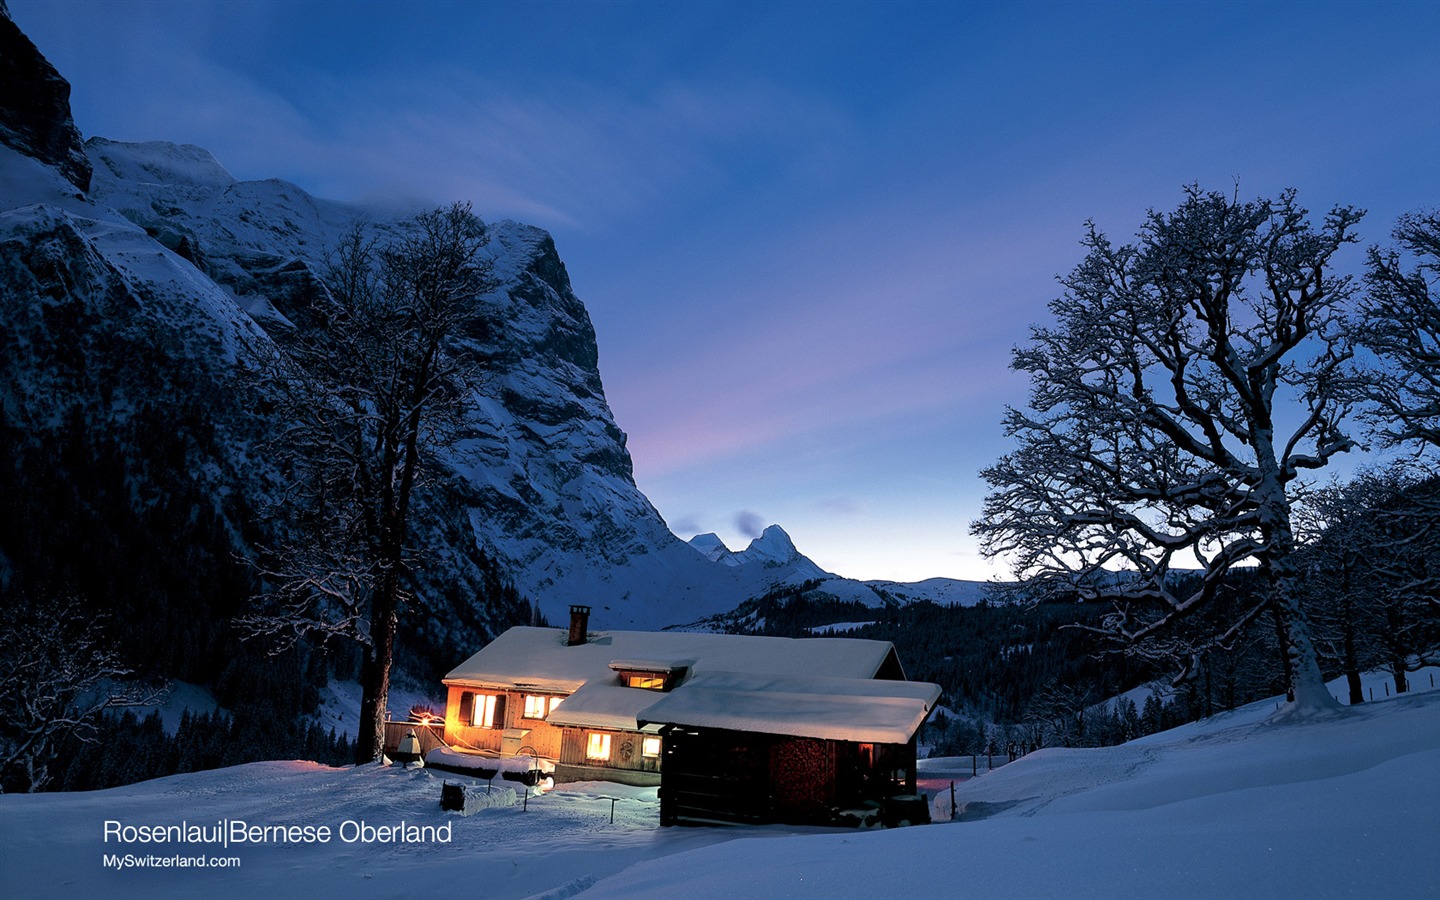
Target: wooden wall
543,737
576,740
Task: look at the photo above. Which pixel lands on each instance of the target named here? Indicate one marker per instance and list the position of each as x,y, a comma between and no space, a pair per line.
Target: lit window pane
650,749
598,747
484,711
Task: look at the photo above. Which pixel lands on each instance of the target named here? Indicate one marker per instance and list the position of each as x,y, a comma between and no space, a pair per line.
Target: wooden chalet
733,728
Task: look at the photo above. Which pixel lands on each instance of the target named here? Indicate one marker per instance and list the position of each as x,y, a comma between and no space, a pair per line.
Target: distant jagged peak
714,549
772,546
160,162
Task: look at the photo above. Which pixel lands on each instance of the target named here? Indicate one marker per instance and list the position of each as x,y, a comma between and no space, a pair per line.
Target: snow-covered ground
1242,805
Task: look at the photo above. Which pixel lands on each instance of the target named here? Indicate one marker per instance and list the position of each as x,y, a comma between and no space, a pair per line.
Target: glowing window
598,747
537,707
649,682
650,748
483,715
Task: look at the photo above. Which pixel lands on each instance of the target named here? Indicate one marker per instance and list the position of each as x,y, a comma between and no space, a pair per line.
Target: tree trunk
1352,656
375,673
1286,665
1306,689
1357,692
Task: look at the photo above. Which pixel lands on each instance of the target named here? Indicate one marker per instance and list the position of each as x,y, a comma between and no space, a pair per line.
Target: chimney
579,622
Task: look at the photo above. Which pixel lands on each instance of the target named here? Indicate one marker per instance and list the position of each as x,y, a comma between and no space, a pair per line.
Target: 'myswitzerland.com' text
151,861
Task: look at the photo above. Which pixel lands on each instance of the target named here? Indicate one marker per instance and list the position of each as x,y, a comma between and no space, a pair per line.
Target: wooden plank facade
504,726
430,736
629,757
713,775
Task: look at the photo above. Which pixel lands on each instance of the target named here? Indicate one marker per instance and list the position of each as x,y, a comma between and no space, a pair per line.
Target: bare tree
1400,323
1339,581
1373,571
1189,380
58,674
364,402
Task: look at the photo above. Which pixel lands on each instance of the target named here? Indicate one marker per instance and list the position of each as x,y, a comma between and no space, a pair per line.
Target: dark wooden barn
742,748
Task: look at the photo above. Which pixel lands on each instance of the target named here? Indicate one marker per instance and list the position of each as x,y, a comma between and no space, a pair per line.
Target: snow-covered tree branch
1186,382
364,402
1400,323
58,673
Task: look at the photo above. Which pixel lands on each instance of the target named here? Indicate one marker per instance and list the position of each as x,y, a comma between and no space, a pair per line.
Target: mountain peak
714,549
772,546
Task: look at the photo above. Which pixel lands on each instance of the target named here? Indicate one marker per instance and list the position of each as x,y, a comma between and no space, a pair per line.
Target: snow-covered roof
603,704
650,665
810,687
851,709
539,659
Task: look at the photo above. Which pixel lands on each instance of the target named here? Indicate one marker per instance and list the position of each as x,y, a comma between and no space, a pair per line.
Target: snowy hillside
944,591
1242,805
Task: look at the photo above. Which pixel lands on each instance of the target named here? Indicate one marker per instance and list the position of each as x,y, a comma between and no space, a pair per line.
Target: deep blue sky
808,233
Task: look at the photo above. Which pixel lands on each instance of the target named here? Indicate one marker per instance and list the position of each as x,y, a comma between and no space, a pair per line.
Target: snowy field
1241,805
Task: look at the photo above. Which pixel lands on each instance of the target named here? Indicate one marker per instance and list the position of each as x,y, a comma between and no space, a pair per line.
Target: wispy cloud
749,523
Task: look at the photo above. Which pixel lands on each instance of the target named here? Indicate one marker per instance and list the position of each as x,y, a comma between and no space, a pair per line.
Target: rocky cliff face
129,464
543,472
35,106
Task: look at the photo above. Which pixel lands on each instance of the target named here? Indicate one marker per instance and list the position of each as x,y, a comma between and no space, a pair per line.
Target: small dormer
651,674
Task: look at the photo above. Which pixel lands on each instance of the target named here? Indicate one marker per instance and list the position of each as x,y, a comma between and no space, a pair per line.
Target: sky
808,234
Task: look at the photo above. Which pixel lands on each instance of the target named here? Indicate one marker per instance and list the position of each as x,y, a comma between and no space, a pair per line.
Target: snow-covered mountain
138,273
546,478
772,550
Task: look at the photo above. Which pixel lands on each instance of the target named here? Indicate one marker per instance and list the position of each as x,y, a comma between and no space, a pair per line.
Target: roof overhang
845,709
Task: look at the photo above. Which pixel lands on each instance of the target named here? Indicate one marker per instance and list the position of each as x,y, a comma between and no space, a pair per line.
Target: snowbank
487,766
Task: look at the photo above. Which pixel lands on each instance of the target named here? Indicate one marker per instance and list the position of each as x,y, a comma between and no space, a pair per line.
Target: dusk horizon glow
808,235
